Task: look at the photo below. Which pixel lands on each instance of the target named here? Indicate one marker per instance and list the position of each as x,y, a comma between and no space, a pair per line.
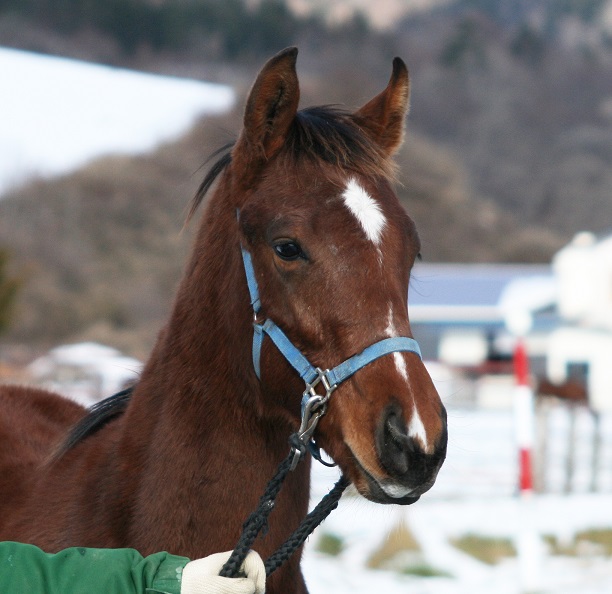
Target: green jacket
25,569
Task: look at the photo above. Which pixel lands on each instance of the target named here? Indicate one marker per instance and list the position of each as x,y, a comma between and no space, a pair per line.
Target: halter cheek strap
313,403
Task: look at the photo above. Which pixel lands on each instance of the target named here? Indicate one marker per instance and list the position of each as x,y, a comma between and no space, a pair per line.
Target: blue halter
313,404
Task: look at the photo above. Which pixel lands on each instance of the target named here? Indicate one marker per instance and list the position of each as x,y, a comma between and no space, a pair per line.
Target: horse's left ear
270,109
383,118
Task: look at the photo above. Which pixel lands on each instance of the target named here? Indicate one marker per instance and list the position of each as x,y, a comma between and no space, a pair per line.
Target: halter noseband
314,405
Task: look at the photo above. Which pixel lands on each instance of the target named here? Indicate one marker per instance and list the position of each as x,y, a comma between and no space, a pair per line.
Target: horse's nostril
397,446
397,431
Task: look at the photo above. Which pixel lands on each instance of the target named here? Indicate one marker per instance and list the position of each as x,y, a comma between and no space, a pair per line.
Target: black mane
99,415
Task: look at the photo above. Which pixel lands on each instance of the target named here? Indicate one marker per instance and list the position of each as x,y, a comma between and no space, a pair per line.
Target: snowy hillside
57,114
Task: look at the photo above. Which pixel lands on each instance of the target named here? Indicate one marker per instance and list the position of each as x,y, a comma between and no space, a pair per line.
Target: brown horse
180,464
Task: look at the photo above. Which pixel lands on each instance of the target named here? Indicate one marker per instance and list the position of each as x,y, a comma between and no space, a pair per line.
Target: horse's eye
288,250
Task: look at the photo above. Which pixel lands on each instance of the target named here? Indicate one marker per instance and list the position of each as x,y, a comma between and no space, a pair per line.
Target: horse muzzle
411,466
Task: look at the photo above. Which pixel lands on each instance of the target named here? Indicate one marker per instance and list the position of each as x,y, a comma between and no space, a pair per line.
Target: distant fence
573,450
572,453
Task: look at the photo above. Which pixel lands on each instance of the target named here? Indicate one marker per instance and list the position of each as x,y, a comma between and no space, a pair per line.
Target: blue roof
453,289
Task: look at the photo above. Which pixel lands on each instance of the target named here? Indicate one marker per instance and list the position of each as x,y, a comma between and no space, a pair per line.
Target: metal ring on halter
312,411
314,406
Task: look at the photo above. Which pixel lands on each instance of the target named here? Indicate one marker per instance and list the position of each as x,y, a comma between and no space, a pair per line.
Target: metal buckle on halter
313,409
322,379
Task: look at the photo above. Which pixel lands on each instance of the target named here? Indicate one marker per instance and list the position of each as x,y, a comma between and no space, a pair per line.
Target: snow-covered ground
57,114
85,372
475,494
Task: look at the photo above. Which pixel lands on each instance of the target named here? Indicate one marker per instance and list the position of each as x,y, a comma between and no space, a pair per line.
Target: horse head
331,250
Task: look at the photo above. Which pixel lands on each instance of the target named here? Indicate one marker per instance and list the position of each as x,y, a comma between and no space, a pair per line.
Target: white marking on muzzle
396,491
416,428
366,210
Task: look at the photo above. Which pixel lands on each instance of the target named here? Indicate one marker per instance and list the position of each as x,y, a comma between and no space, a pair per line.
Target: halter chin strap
313,403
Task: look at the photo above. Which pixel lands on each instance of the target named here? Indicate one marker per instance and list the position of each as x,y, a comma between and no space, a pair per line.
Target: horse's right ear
270,109
384,116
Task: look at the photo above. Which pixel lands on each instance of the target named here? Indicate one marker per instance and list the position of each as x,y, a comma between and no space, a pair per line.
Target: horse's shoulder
48,408
33,422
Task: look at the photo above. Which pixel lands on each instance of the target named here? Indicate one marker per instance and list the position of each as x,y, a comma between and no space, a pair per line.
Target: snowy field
58,114
474,494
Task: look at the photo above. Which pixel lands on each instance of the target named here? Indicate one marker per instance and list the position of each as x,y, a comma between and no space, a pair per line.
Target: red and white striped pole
524,416
529,546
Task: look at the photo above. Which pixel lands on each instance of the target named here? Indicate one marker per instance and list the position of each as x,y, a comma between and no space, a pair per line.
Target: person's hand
202,576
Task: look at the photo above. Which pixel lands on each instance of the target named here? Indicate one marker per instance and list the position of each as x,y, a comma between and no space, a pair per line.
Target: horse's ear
384,117
270,109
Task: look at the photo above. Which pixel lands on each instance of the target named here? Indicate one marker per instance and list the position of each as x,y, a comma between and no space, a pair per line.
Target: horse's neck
201,367
194,424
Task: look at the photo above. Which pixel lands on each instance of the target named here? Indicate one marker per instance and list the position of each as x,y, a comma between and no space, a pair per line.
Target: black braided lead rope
259,518
325,507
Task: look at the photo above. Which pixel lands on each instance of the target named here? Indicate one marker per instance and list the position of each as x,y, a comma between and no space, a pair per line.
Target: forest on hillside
507,155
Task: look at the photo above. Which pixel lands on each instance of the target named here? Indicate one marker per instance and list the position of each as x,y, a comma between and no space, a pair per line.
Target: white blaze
365,209
400,362
416,428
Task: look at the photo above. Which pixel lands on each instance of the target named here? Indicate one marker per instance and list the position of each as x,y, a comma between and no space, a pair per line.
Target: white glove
202,576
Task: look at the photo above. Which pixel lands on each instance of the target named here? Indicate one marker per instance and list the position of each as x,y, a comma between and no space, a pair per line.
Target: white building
458,313
582,349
